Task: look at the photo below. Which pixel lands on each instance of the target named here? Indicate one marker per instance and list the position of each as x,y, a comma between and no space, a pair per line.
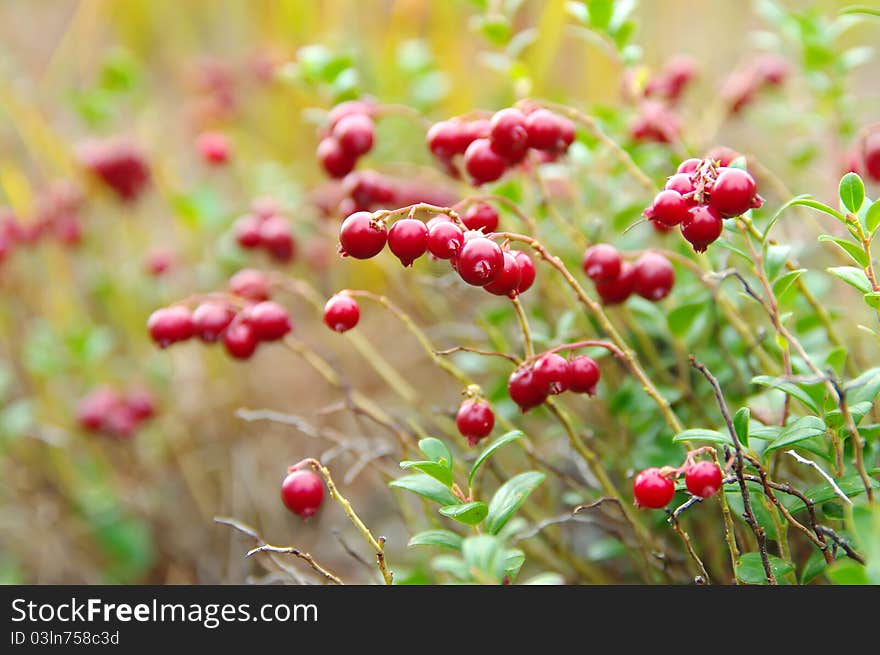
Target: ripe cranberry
240,340
140,404
247,230
703,479
871,155
408,240
341,313
526,270
349,108
275,236
480,261
668,208
552,372
361,237
583,374
481,217
169,325
508,280
702,227
210,319
680,182
448,138
655,122
355,134
475,420
93,410
335,161
214,148
545,130
732,192
660,227
508,134
483,164
652,489
119,165
654,276
302,492
525,389
120,421
477,129
616,291
602,262
445,238
250,284
689,165
269,320
368,189
722,155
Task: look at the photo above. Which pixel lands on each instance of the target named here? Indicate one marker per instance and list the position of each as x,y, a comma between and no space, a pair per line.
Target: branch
290,550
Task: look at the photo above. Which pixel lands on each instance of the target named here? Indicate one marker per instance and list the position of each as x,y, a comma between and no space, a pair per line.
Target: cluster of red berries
550,374
118,164
656,120
475,418
477,259
865,157
349,136
651,276
700,194
265,227
111,412
214,148
57,214
242,330
302,491
670,83
742,86
490,147
654,488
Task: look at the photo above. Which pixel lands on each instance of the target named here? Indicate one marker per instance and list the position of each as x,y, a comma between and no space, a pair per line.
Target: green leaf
699,434
546,579
741,425
872,217
775,259
852,192
803,201
851,486
848,572
852,276
814,567
437,471
452,565
683,317
426,486
442,538
750,568
803,428
503,440
872,299
510,497
485,554
514,558
436,451
467,513
783,284
855,252
787,387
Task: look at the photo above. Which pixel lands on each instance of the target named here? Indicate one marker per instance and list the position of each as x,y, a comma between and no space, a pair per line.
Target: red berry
525,389
480,261
341,313
669,208
362,237
545,130
445,238
250,284
349,108
275,236
335,161
583,374
871,157
264,208
302,492
368,188
723,155
169,325
483,164
93,410
552,372
247,230
702,227
508,134
654,276
159,261
602,262
616,291
140,404
354,134
214,148
119,164
408,240
481,217
689,165
732,192
680,182
526,270
508,280
210,319
448,138
652,489
269,320
240,340
475,420
120,421
703,479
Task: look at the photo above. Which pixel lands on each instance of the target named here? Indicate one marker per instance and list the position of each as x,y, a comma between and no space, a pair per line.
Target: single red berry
660,227
362,237
669,208
276,237
120,421
140,404
680,182
247,230
616,291
214,148
602,262
475,420
508,280
871,156
93,410
483,164
526,270
159,261
552,372
481,217
445,238
477,129
240,340
583,374
341,313
269,320
654,276
335,161
703,479
545,130
652,489
408,240
169,325
480,261
355,134
120,165
349,108
302,492
702,227
525,389
689,165
722,155
250,284
210,319
368,189
508,134
448,138
732,192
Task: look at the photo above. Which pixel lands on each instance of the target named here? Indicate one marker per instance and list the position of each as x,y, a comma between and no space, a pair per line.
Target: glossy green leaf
784,282
852,276
803,428
468,513
437,471
699,434
501,441
510,497
514,558
741,425
851,486
427,487
683,317
485,554
442,538
872,217
852,192
814,567
852,250
436,451
750,568
789,388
